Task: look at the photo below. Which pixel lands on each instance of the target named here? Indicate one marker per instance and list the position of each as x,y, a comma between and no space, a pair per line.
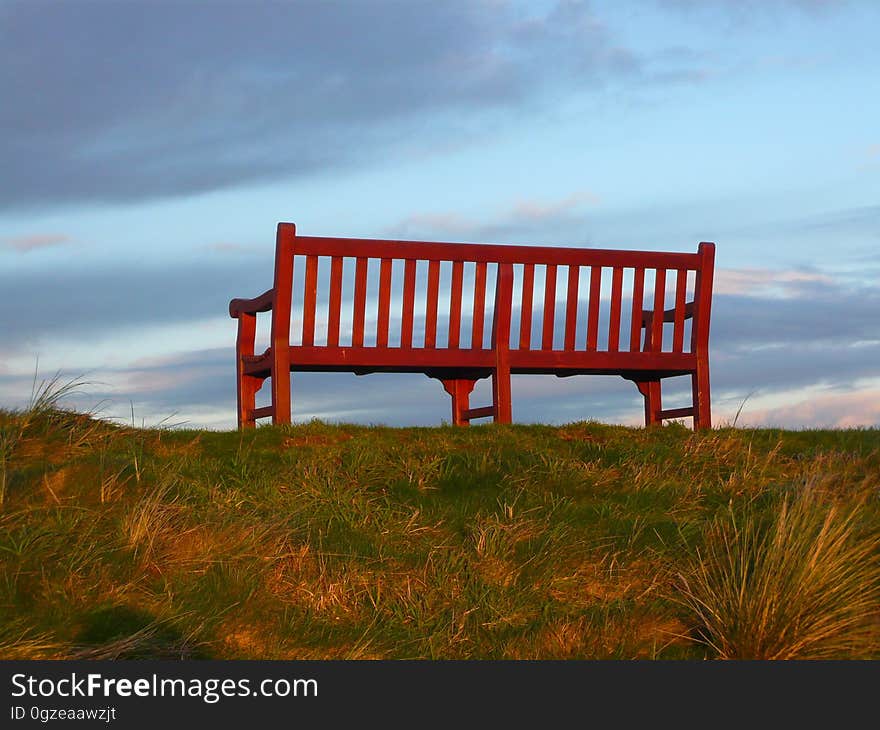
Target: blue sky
149,149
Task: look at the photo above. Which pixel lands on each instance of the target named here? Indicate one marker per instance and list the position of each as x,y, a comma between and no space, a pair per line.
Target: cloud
520,221
748,10
25,244
831,316
534,210
828,410
863,220
737,371
767,282
142,100
78,303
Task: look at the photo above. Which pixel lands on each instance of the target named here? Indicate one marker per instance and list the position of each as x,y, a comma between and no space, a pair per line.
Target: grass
800,583
520,542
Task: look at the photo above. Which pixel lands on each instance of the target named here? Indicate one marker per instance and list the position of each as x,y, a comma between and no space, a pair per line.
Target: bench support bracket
460,390
700,410
650,389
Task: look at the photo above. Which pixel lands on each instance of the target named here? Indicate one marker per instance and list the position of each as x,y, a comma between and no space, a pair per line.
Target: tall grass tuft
150,519
803,584
14,426
19,641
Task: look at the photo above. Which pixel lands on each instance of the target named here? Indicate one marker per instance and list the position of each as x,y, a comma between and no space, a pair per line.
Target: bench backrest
421,295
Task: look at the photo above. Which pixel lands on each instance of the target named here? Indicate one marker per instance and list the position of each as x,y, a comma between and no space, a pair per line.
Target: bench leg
460,390
246,386
702,402
247,400
650,389
501,391
280,387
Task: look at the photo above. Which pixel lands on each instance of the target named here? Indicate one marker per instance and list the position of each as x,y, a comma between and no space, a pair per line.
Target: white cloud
25,244
817,408
767,282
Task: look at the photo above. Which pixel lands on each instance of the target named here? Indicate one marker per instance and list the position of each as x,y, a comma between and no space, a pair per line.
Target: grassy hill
317,541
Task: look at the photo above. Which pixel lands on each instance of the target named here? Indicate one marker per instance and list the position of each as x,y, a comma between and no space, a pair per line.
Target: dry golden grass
804,584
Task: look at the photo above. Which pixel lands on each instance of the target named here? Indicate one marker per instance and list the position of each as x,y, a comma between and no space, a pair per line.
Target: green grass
319,541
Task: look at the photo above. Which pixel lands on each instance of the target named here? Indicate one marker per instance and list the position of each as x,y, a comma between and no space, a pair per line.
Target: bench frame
459,368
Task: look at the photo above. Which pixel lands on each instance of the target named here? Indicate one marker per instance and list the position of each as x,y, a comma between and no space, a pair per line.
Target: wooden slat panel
479,306
490,253
408,304
614,319
309,300
549,308
659,303
680,295
593,311
360,302
571,306
525,313
635,330
384,303
455,304
431,307
335,301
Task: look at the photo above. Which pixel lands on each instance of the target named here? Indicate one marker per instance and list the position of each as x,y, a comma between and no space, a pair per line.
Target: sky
149,150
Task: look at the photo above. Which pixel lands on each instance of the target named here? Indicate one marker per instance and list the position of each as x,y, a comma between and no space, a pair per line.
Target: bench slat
408,304
525,311
335,305
501,343
614,318
593,310
311,292
432,303
676,413
455,304
659,304
635,330
680,295
263,412
479,313
384,303
491,253
571,306
484,412
549,308
360,302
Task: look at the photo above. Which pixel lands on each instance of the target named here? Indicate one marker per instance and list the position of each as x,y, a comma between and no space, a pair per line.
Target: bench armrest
668,315
262,303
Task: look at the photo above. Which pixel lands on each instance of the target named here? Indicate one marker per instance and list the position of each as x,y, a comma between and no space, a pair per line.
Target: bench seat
366,360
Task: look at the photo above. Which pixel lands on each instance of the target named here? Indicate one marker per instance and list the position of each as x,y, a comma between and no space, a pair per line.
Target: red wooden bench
348,319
